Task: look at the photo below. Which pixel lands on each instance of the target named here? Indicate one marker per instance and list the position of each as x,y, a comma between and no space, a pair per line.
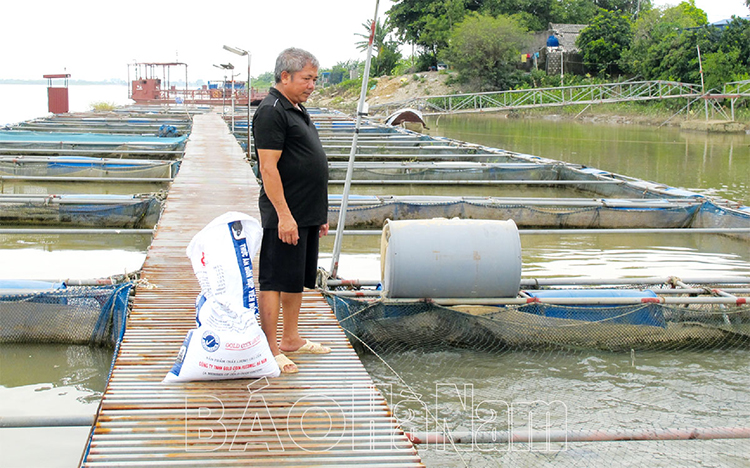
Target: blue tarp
635,314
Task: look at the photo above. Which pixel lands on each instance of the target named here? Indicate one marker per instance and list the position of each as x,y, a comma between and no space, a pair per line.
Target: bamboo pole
380,200
91,162
93,231
360,112
475,182
570,301
46,421
586,231
72,199
535,283
119,180
562,436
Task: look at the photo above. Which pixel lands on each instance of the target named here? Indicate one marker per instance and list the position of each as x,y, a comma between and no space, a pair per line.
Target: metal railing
741,88
548,97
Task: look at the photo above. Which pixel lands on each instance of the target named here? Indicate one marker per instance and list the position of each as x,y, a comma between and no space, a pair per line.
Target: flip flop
310,347
283,362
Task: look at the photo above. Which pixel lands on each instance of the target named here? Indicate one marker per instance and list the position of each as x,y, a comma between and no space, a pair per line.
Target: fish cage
88,315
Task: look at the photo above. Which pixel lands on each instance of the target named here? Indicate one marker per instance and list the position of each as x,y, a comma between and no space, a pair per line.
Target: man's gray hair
293,60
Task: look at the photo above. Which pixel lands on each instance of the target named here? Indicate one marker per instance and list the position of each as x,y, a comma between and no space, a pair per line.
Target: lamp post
242,52
230,67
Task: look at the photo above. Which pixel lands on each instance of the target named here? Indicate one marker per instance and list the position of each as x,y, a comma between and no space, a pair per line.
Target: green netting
532,369
78,315
375,214
84,169
382,324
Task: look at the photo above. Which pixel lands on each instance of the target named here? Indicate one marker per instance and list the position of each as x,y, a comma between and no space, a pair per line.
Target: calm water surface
593,390
584,389
19,102
57,380
712,164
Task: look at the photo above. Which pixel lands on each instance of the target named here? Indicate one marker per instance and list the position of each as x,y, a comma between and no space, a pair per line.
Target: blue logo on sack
210,341
245,265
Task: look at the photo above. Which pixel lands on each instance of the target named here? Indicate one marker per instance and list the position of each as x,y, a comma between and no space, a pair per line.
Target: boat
151,87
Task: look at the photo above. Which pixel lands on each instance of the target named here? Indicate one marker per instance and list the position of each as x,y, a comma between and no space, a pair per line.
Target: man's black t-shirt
303,166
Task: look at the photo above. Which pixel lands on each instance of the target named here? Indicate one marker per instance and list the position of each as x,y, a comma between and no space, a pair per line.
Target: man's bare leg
290,305
268,306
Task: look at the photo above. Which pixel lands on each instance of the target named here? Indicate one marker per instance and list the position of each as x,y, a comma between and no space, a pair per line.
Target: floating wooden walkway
330,413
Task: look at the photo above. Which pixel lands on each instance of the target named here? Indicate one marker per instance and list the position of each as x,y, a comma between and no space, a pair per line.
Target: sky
96,40
716,10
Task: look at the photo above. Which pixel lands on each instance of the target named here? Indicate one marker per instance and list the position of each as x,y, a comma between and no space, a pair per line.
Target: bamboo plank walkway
330,413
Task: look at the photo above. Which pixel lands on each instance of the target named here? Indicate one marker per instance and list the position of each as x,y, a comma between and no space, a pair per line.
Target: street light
228,66
242,52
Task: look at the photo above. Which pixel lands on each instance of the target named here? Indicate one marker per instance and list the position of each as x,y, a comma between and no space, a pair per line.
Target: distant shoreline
87,82
70,82
112,82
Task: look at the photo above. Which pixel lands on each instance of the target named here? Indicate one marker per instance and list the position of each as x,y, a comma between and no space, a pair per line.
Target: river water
458,390
581,389
56,380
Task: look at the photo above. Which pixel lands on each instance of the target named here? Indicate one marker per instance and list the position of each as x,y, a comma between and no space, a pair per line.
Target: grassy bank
640,113
386,89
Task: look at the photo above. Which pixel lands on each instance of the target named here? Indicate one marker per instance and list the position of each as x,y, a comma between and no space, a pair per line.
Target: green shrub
103,106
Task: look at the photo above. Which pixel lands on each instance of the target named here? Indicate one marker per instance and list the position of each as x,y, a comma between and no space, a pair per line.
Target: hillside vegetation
345,97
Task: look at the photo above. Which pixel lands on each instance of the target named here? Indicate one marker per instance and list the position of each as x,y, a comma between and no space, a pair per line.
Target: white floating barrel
450,258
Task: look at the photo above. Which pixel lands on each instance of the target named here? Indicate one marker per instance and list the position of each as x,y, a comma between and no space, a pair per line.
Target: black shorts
285,267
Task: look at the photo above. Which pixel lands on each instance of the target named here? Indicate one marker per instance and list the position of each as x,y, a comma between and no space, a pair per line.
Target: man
293,202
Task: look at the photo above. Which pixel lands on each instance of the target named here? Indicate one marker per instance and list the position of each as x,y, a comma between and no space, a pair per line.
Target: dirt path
388,89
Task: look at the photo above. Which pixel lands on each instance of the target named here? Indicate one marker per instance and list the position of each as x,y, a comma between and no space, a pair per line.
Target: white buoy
450,258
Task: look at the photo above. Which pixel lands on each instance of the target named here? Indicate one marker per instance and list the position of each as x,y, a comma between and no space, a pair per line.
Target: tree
341,70
736,35
731,61
626,7
603,41
385,50
723,67
264,81
657,34
427,24
535,14
574,11
483,50
680,61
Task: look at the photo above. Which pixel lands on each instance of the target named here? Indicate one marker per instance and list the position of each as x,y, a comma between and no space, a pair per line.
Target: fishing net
572,379
448,171
369,214
77,315
70,168
97,211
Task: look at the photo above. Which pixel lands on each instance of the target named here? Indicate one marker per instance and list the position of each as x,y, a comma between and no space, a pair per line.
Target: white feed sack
222,254
228,343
